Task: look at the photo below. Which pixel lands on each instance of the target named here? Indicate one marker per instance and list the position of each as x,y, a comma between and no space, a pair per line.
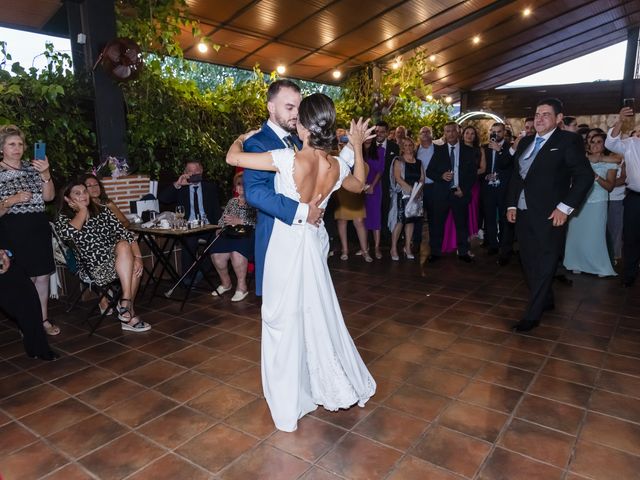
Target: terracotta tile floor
459,395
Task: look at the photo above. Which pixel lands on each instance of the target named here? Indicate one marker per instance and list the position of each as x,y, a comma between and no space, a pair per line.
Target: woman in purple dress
374,157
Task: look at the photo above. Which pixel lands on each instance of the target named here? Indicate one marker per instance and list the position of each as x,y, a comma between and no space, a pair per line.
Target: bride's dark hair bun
318,115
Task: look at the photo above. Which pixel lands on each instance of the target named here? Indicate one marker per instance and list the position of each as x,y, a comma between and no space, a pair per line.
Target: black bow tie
380,144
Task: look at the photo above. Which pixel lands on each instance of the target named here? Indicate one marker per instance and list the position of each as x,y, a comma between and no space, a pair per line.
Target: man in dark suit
498,233
199,200
283,100
391,150
551,178
453,169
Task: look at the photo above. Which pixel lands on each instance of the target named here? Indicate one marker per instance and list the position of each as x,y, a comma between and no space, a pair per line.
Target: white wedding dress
308,356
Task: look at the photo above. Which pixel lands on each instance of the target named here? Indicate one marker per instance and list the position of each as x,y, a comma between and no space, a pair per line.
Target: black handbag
238,231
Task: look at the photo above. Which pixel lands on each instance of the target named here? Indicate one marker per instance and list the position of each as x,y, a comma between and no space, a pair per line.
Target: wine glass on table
179,215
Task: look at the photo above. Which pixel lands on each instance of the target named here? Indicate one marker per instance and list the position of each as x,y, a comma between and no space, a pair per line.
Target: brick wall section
124,189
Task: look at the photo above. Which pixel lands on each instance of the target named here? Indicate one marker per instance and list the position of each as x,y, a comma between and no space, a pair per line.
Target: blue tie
536,147
452,158
525,165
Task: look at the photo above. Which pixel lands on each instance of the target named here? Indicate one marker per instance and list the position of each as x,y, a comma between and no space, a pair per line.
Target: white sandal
220,290
239,296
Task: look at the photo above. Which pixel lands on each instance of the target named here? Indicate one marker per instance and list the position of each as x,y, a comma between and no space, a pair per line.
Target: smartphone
343,139
39,150
493,136
629,102
195,178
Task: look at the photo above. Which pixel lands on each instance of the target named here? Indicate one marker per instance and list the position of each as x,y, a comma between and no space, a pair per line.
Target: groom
283,100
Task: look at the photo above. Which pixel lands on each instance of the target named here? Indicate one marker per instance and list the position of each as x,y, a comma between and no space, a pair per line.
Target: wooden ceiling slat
489,58
32,14
315,36
591,42
223,11
393,43
471,74
492,48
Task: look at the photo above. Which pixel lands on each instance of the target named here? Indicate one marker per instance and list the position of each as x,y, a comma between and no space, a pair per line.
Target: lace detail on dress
330,384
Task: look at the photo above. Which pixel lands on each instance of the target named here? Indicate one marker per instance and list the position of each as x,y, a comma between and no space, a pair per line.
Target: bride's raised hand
358,131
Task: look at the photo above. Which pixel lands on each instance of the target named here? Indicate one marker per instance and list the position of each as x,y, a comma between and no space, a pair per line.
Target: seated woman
19,300
104,247
237,248
98,195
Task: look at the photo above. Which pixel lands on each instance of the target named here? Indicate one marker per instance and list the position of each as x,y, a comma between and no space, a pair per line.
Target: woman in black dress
407,170
24,227
19,300
105,249
237,245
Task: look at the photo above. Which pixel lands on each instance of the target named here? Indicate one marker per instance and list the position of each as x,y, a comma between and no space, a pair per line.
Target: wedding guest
424,153
471,139
351,207
374,157
498,233
391,151
19,300
105,249
615,214
99,195
25,187
629,148
454,170
450,243
236,246
586,244
407,170
400,134
569,124
590,133
199,198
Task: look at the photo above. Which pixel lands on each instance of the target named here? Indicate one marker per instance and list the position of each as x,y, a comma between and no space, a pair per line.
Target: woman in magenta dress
449,243
374,157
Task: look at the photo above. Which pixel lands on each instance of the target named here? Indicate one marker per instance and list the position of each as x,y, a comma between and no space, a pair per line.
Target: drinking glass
179,216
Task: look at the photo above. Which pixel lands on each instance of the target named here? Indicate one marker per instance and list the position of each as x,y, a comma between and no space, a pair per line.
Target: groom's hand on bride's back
315,212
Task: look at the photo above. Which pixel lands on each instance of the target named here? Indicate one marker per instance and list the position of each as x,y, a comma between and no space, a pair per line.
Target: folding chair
111,291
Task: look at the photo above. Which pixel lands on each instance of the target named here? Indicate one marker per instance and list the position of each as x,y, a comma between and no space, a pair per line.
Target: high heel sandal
51,329
409,255
138,326
378,254
366,256
395,257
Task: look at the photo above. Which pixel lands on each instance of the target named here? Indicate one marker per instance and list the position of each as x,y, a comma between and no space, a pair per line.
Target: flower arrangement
112,167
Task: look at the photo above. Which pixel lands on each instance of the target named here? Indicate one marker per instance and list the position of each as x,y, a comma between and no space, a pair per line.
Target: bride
308,356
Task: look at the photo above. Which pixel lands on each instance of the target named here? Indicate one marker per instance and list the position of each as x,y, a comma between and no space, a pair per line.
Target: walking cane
169,292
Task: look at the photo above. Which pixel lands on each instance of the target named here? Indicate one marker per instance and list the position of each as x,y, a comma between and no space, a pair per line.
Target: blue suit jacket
260,193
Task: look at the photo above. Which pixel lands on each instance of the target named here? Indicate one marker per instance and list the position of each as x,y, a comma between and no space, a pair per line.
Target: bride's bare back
315,173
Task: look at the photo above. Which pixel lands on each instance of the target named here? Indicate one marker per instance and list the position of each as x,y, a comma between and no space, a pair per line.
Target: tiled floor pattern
459,395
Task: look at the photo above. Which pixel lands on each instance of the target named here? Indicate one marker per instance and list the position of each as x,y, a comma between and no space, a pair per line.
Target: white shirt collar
280,132
383,144
546,135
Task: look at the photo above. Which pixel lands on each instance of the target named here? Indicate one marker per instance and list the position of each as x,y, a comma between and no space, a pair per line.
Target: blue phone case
39,150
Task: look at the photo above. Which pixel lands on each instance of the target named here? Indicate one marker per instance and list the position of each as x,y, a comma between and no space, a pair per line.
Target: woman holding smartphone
24,227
